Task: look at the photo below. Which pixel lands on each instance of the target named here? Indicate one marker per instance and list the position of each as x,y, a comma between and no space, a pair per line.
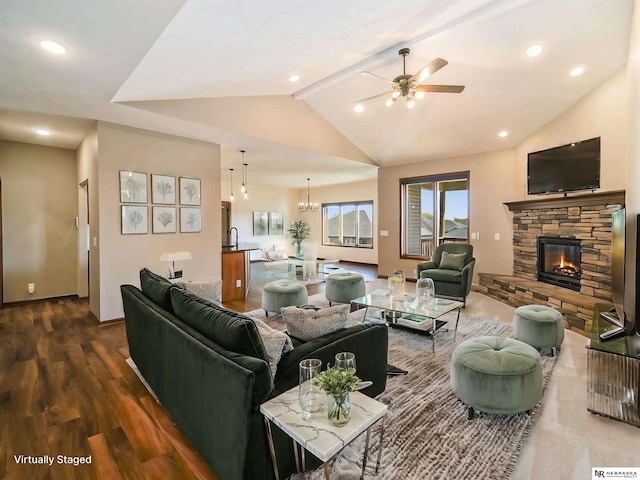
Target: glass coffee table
408,314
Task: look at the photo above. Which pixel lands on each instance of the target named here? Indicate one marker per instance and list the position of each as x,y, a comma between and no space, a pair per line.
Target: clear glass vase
425,292
339,408
397,285
310,396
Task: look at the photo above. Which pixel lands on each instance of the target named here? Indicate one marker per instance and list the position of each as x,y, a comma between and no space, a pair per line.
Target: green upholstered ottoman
344,287
539,326
496,375
283,293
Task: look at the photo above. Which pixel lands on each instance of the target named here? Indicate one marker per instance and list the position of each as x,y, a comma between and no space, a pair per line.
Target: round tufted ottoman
283,293
344,287
496,375
539,326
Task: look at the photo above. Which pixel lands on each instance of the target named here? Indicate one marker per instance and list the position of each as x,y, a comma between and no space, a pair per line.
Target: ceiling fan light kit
410,86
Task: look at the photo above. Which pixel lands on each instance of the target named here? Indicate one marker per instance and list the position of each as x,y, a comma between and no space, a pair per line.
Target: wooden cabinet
233,276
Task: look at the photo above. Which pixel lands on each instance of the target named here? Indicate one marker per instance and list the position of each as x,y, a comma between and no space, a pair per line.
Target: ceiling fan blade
429,70
375,96
440,88
374,76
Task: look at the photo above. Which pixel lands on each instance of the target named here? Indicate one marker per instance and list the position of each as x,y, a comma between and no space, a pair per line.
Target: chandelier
308,207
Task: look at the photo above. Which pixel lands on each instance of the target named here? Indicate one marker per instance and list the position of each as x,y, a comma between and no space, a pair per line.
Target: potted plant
299,232
337,383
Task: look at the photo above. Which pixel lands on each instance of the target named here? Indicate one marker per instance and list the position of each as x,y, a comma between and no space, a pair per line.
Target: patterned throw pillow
307,324
452,261
275,343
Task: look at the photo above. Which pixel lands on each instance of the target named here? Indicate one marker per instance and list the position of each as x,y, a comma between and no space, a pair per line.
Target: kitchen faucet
231,236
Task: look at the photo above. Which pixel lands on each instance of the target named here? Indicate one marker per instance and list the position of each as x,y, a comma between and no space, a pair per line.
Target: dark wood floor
66,390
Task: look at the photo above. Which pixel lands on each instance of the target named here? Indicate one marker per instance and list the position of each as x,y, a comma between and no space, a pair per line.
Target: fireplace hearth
559,261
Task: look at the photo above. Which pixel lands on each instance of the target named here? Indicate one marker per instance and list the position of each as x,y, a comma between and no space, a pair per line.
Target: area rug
427,434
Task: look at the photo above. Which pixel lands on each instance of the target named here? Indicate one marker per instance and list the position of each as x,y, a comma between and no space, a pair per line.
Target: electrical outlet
31,287
415,272
238,283
496,236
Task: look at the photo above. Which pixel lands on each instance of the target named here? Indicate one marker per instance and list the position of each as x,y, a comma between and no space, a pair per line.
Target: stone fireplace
576,232
559,261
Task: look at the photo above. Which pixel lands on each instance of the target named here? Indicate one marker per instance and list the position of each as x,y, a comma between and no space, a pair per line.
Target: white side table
316,434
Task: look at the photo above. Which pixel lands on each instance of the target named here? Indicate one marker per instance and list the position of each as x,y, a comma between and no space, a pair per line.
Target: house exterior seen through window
348,224
435,210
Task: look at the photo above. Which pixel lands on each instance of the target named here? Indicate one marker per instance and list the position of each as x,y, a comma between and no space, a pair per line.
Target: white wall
122,256
39,205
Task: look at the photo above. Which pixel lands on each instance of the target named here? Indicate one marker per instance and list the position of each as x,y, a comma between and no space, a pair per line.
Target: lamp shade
175,256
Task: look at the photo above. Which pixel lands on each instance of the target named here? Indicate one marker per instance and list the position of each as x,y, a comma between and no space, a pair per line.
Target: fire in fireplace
559,261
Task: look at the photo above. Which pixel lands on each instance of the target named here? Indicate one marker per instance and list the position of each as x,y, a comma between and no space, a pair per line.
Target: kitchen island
236,270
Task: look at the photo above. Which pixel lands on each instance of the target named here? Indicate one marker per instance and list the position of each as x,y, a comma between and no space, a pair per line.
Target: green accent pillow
452,261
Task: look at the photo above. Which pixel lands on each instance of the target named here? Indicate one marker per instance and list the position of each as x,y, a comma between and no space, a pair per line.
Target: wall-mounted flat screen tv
567,168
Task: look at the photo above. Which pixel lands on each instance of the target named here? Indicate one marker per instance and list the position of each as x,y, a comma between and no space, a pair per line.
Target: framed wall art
276,223
189,191
135,219
133,187
163,189
260,223
190,220
164,220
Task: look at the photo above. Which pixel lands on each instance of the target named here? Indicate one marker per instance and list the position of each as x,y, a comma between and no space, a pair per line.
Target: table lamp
173,257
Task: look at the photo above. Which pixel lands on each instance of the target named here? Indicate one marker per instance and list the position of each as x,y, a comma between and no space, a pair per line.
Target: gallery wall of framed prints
175,203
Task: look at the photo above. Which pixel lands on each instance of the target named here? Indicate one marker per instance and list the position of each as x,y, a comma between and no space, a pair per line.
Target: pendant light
243,189
231,196
308,207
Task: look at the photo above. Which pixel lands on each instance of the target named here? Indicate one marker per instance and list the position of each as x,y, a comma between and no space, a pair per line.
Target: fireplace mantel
615,196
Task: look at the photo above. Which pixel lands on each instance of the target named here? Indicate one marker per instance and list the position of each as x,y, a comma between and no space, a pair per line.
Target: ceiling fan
410,86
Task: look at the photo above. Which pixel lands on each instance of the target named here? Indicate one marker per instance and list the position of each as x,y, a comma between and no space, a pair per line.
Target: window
348,224
435,210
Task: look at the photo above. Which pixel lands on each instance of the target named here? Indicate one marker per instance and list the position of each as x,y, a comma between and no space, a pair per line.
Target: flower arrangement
336,381
337,384
299,232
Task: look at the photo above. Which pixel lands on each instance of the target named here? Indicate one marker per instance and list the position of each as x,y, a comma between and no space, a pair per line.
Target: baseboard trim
44,299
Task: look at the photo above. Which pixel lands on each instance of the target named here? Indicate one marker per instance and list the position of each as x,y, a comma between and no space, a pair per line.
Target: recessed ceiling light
503,133
53,47
294,78
43,132
358,108
576,71
534,50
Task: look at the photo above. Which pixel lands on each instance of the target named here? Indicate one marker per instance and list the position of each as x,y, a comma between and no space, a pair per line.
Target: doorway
84,234
1,255
226,223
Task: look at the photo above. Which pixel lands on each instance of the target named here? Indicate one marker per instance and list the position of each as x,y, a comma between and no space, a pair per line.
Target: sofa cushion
307,324
452,261
232,331
442,275
156,288
275,343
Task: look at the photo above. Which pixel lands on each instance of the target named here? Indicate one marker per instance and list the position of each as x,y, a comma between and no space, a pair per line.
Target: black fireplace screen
559,261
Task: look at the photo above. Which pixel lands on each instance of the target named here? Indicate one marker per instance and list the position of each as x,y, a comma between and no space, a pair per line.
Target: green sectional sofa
208,367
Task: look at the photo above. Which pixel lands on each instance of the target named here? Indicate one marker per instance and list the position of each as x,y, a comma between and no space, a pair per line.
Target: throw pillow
275,343
211,291
452,261
307,324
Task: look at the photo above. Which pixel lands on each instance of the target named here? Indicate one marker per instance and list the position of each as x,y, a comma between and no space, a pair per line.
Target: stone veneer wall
590,223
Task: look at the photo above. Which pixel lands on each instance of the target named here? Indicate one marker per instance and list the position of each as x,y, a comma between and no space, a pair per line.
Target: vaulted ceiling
218,71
